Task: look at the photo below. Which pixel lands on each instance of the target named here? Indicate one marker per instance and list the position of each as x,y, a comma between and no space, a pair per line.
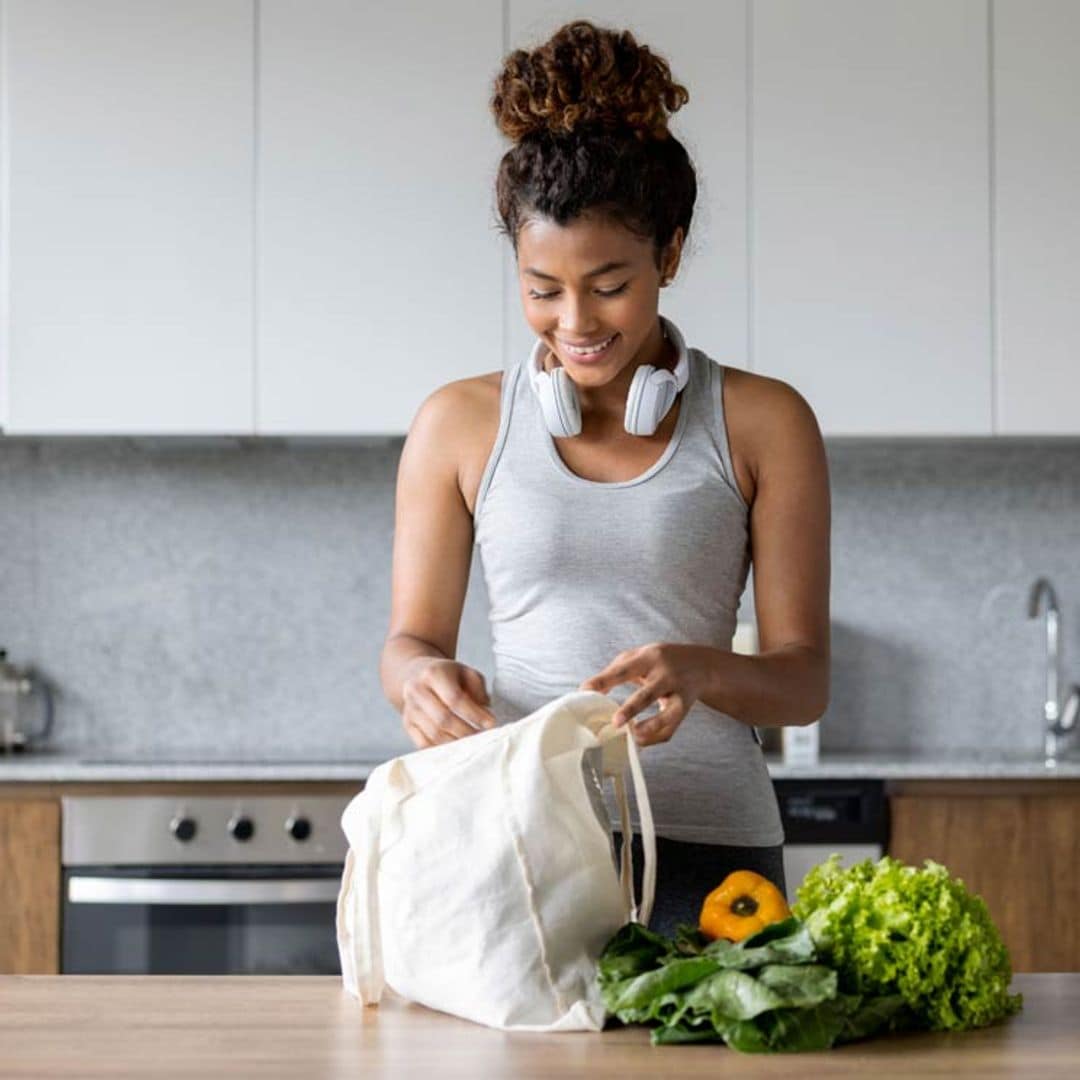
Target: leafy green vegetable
639,995
766,993
895,930
787,942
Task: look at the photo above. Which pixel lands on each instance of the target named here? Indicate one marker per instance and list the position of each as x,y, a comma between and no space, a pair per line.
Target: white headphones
652,392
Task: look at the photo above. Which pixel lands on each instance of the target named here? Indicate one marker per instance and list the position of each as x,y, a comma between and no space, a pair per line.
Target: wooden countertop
308,1027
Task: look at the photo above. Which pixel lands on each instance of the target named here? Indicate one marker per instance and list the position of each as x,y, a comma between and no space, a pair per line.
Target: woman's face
590,282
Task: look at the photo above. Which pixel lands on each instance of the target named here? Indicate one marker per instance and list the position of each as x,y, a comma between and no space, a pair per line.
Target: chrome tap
1058,722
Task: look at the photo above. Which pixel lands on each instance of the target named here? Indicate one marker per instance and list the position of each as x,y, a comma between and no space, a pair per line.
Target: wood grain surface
1019,852
92,1026
29,886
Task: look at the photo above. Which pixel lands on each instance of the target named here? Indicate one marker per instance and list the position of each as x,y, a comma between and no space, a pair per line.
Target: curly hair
588,113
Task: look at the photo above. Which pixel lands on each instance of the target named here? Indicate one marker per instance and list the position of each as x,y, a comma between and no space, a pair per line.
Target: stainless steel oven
193,885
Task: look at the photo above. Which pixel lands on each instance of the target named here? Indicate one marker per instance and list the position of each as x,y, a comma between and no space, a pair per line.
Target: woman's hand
672,675
444,701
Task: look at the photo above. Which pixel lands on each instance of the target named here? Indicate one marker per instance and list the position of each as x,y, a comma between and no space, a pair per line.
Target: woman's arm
787,682
433,536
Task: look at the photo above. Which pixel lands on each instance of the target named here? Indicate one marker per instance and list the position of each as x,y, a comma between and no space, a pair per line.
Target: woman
616,519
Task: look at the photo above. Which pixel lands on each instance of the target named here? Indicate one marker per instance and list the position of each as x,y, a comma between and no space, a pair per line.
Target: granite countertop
74,766
60,765
970,764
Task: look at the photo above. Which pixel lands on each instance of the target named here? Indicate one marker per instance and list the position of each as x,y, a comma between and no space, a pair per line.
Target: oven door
200,920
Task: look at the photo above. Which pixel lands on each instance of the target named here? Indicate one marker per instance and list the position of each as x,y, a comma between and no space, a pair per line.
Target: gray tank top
579,570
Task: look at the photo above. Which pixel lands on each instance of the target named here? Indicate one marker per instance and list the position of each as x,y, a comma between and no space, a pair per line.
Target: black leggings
687,873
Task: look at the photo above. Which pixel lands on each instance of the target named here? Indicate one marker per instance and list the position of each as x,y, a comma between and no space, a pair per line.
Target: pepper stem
744,905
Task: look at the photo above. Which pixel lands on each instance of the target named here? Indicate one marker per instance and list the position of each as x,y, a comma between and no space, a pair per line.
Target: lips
594,349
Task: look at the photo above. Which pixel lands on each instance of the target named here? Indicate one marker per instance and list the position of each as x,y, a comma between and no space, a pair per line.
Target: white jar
801,745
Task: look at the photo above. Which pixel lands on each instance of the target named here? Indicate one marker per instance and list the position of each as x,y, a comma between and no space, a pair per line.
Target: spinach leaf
639,991
787,942
767,993
732,995
799,985
796,1030
865,1016
632,950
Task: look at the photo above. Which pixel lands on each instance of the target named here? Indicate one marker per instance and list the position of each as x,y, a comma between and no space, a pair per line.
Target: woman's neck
608,402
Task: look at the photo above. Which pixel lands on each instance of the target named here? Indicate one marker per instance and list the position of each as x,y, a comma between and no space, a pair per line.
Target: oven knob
183,828
242,828
299,828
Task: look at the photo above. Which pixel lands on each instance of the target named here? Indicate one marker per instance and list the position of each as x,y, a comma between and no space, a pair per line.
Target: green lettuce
767,993
893,929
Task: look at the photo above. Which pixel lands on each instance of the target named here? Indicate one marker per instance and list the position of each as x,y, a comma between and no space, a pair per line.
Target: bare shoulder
459,423
769,422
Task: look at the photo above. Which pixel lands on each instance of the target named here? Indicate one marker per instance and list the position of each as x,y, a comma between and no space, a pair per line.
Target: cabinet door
128,199
870,264
1020,853
29,886
1037,214
378,263
704,41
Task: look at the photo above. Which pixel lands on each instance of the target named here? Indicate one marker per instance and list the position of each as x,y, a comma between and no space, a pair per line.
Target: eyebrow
592,273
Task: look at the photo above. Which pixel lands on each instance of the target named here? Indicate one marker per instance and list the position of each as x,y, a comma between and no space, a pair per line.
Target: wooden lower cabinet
1016,844
29,886
30,869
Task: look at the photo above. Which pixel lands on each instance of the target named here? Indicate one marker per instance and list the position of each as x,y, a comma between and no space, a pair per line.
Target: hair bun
586,78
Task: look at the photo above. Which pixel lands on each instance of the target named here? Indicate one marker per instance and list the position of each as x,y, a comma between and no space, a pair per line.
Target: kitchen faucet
1059,721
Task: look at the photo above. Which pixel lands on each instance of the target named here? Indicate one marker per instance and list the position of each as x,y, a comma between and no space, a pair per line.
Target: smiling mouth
589,350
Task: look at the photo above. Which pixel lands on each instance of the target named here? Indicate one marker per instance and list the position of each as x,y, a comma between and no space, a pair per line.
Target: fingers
624,668
473,681
416,734
465,702
444,723
660,727
439,708
637,702
460,705
420,727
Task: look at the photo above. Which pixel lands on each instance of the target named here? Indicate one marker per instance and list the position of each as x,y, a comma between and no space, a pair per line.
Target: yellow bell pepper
741,905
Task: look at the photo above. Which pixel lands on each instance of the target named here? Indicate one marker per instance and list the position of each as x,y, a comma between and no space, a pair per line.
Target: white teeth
588,352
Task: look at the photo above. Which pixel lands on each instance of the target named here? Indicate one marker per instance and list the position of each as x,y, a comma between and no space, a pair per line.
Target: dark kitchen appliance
198,885
849,817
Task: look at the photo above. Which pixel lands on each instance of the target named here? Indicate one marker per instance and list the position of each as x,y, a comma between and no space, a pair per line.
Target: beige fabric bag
480,877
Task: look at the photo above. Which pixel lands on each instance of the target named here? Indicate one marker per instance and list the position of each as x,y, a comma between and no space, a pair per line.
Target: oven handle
112,890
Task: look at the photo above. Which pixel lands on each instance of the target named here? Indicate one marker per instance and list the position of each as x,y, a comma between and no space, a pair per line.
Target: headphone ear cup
636,420
652,393
559,402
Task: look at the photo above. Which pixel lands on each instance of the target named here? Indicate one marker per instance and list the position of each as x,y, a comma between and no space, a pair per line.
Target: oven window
200,920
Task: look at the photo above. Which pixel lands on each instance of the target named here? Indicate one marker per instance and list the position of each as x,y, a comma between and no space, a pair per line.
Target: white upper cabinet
870,251
128,207
378,269
1037,157
704,41
278,217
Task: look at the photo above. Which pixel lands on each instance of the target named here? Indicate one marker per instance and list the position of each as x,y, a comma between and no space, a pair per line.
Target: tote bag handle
358,920
614,767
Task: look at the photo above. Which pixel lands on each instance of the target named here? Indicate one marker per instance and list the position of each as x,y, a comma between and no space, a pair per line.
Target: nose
576,318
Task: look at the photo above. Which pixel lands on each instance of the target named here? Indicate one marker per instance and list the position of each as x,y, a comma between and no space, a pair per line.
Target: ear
673,253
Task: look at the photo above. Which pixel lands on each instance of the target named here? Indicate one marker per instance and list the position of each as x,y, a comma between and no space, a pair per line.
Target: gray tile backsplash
935,547
236,592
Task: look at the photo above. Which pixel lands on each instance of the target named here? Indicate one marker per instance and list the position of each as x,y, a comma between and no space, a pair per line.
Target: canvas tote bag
480,879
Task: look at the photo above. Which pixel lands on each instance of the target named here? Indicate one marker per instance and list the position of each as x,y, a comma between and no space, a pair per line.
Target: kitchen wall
180,594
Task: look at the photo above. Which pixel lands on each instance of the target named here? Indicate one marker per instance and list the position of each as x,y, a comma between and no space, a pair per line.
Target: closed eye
602,292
